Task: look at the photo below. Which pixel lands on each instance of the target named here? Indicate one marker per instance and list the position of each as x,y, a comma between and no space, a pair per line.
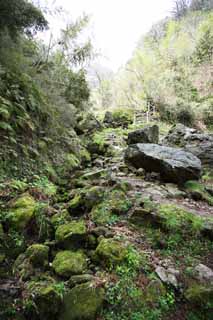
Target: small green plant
60,289
42,221
44,185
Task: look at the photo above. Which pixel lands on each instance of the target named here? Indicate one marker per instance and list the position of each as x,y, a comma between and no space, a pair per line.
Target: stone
67,263
174,165
204,274
21,212
110,252
84,199
71,234
199,144
45,300
168,276
83,302
37,254
149,134
93,175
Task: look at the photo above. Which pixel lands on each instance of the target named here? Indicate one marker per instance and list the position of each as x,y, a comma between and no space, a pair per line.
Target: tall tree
20,16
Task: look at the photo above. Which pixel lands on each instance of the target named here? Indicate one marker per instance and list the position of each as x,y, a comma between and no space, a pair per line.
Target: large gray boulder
149,134
192,140
173,164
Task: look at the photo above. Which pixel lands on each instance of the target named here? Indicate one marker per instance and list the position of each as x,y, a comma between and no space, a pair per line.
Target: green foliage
179,220
169,71
20,16
44,186
127,300
77,91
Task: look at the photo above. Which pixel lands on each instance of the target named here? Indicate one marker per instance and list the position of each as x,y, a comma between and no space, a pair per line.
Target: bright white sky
116,25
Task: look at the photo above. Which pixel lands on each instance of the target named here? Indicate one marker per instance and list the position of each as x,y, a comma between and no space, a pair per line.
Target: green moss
200,295
42,300
84,155
38,254
71,233
85,199
76,202
1,231
22,212
2,257
198,191
67,263
72,161
115,203
110,252
83,302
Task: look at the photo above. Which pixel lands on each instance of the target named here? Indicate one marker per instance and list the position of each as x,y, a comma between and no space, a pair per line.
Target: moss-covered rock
85,199
115,203
200,294
21,212
83,302
198,192
67,263
42,300
93,196
76,203
110,252
38,254
71,234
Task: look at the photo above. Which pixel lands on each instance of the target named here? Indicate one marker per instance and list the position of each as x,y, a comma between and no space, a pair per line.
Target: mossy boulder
83,302
110,252
85,199
21,212
93,196
43,300
198,192
76,204
199,294
115,203
38,254
71,234
67,263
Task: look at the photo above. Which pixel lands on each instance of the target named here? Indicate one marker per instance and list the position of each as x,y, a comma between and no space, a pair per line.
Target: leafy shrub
122,117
